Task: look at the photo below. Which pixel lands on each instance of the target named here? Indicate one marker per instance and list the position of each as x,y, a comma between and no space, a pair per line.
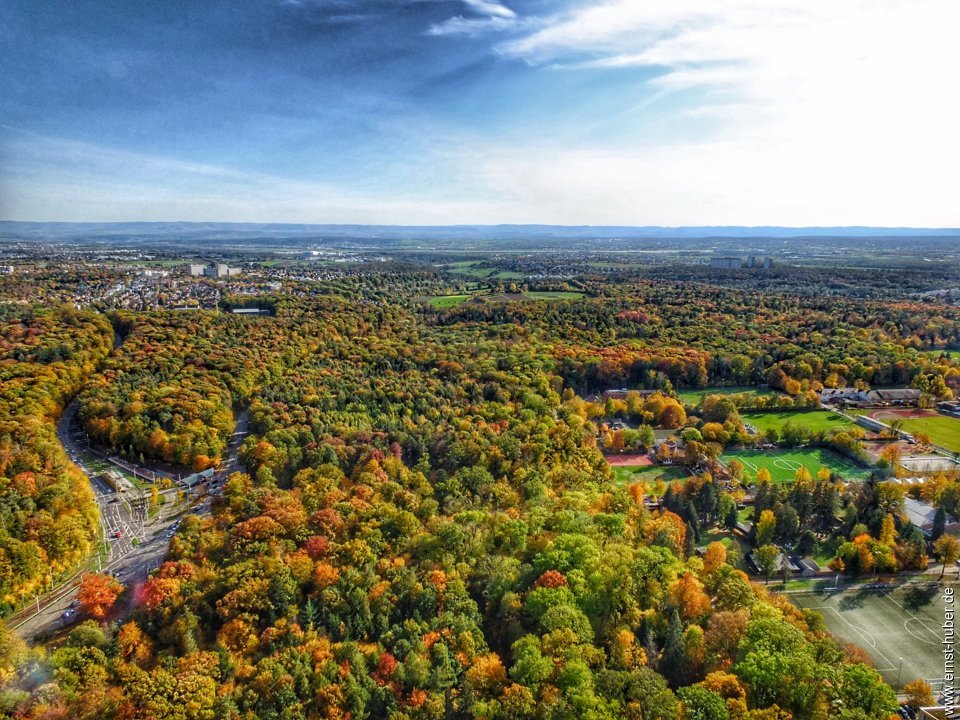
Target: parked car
68,614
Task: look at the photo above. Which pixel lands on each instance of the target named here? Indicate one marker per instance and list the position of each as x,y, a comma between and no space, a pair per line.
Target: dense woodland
427,527
48,518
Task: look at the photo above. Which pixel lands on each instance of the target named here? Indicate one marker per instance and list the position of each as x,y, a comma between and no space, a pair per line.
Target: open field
952,354
695,397
942,429
651,473
476,269
890,625
812,420
554,295
783,464
445,301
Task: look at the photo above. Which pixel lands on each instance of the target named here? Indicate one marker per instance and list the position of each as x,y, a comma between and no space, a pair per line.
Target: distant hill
224,231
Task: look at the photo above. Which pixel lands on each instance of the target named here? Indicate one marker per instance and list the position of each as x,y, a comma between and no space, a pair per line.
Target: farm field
942,429
696,397
783,464
903,623
812,420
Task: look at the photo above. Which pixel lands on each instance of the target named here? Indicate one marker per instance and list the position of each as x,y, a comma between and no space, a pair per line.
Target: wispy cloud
491,8
49,178
493,16
605,111
843,107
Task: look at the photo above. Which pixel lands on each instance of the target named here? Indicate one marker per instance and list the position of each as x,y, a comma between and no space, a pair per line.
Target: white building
726,263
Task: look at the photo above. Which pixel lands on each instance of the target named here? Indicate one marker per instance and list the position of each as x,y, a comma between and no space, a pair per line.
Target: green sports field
695,398
892,626
942,429
812,420
783,464
650,473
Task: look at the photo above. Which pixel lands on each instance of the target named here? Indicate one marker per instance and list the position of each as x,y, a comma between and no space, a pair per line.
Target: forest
48,518
426,526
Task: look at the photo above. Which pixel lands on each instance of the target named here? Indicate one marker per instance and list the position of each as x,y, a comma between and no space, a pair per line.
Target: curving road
143,541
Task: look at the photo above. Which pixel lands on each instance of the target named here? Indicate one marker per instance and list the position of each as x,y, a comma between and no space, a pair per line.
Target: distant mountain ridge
10,229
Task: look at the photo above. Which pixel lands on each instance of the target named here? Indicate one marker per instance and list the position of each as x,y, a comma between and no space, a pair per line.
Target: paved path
143,541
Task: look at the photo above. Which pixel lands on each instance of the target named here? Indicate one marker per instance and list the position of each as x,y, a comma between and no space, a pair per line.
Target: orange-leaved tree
98,593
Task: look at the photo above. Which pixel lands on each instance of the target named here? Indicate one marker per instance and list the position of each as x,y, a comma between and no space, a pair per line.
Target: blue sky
674,112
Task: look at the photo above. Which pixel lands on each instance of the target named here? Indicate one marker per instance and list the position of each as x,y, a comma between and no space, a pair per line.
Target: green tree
767,557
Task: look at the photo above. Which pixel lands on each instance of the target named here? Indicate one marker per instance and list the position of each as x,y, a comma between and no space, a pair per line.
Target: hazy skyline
681,112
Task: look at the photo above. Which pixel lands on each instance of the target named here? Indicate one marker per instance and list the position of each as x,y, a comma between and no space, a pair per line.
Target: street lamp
899,670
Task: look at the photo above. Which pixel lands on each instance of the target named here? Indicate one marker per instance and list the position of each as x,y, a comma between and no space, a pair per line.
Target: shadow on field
853,602
918,596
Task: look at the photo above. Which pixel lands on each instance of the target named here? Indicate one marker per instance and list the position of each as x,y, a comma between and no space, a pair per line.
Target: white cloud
471,27
490,8
824,110
817,112
495,17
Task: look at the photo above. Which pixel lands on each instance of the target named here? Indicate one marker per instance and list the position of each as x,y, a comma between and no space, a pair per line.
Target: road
143,541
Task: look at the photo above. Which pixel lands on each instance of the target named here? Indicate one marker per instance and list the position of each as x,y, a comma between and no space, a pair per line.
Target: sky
579,112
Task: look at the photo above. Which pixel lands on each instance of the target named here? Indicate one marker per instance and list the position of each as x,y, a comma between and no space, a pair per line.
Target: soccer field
783,464
893,625
942,429
811,420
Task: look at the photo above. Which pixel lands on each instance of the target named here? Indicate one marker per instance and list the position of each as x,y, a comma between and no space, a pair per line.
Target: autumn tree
98,594
766,528
919,694
947,550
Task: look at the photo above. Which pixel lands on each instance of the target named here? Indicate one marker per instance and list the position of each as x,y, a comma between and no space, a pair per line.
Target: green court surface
783,464
896,627
812,420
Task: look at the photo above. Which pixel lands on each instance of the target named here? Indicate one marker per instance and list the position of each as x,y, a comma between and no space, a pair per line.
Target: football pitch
901,626
942,429
783,464
811,420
